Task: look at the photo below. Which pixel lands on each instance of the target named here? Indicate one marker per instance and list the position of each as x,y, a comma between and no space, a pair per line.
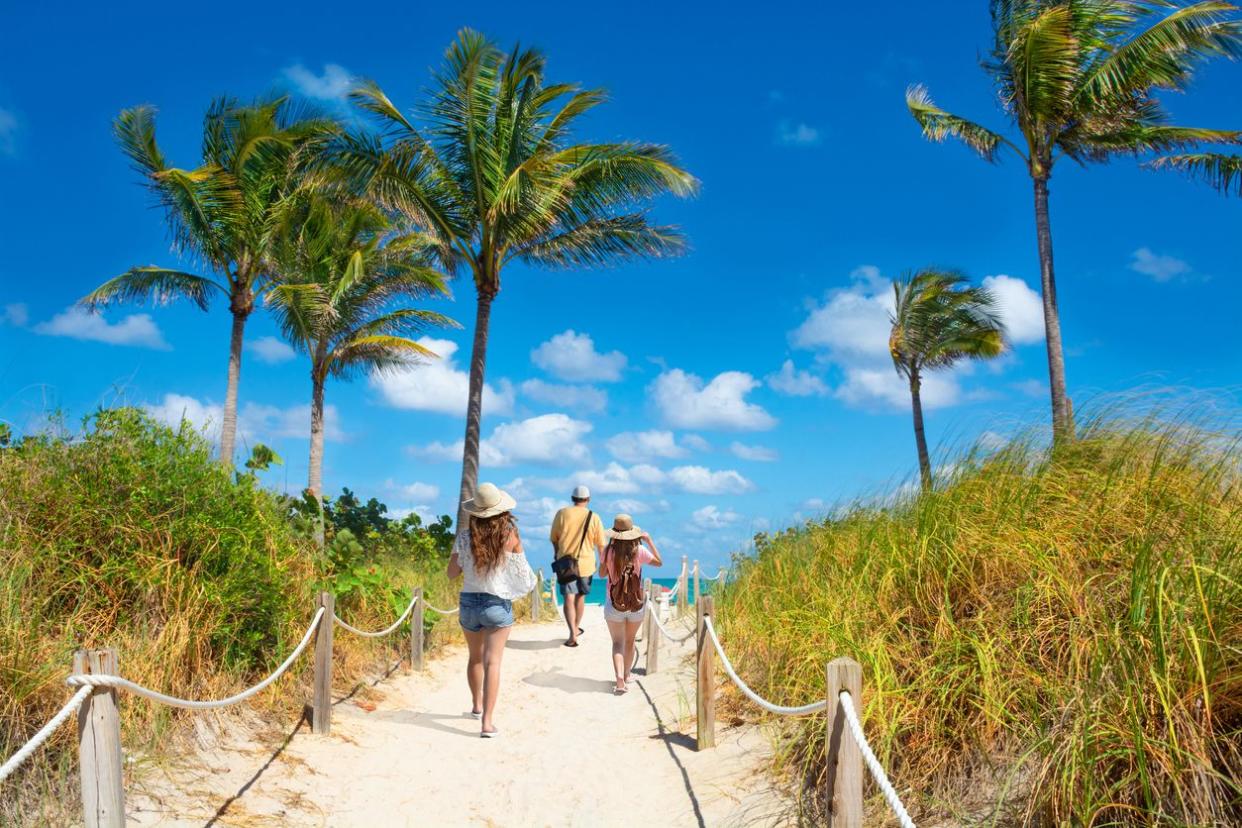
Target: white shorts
611,613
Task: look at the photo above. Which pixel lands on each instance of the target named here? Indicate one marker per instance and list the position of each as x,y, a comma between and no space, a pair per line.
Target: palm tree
493,177
939,319
220,213
1224,172
344,280
1078,79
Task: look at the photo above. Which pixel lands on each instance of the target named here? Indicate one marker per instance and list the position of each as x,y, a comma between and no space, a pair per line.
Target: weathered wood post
697,586
321,707
536,599
99,745
653,632
845,767
683,586
705,691
416,630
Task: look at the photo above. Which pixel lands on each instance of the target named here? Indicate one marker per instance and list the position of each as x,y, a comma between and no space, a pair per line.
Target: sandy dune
570,753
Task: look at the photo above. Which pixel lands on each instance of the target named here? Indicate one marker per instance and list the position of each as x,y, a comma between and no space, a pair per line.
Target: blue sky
737,389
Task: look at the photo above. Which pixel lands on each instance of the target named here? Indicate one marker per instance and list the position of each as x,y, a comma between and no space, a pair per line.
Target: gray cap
581,493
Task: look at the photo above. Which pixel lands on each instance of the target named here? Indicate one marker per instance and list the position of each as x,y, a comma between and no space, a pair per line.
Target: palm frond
604,241
154,284
1224,172
939,125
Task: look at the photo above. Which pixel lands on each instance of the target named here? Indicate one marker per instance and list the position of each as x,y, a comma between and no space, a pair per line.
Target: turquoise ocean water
600,588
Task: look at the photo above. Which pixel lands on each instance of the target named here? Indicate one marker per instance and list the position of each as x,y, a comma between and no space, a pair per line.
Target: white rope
656,615
92,680
719,574
441,611
877,771
381,633
751,694
71,706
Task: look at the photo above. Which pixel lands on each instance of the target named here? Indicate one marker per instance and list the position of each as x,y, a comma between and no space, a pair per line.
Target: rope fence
37,740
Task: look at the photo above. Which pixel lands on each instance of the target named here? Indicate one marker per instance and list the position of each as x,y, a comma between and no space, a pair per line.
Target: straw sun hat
623,528
489,501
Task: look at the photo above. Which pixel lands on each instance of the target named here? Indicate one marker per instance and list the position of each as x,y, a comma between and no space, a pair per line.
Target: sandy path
570,753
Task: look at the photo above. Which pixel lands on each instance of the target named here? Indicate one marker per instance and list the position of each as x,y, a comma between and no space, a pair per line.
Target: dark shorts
582,586
482,610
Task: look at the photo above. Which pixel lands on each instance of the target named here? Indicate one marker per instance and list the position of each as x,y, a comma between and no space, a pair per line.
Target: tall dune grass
132,537
1047,638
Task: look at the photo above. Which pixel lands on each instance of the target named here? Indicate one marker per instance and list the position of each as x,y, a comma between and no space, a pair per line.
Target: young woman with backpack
629,548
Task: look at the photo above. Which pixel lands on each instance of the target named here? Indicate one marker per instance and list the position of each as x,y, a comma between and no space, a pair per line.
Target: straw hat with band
623,528
489,501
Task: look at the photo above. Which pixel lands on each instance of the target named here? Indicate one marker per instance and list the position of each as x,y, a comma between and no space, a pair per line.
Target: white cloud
795,383
640,446
416,491
1032,388
1158,266
254,421
789,134
695,443
701,480
16,314
138,329
1020,307
760,454
549,439
631,506
991,441
439,385
853,322
711,517
685,402
586,398
572,356
333,85
8,132
271,350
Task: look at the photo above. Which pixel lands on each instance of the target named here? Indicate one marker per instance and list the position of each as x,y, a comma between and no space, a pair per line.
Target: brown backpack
626,591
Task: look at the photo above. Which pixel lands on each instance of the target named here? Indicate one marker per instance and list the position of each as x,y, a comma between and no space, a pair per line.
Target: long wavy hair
623,553
488,537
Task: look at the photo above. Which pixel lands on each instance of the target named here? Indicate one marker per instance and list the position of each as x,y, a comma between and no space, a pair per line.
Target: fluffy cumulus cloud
333,84
584,398
643,446
702,480
75,322
16,314
549,439
712,517
1158,266
794,383
850,329
685,401
417,491
758,454
1021,308
439,385
254,421
572,357
271,350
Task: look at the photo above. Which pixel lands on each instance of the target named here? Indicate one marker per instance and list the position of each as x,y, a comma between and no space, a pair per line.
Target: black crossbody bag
566,566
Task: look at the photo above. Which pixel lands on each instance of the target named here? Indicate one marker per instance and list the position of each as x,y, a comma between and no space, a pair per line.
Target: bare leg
631,630
616,629
580,600
571,616
493,651
474,668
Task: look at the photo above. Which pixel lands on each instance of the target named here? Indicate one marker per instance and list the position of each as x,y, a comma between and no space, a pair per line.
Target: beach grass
1049,637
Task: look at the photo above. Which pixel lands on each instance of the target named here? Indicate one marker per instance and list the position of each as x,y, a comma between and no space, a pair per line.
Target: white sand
570,753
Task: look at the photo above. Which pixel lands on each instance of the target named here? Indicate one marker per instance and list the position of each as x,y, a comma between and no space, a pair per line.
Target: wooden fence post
321,709
99,745
705,691
845,767
416,630
697,586
653,632
683,586
536,598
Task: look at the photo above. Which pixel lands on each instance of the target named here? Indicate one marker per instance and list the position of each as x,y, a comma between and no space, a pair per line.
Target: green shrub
1045,640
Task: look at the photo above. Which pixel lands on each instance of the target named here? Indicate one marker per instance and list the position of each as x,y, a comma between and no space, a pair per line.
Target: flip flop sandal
581,631
490,734
475,714
620,691
571,643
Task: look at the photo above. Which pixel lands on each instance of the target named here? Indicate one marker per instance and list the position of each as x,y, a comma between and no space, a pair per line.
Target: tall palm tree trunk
228,426
1062,422
920,438
315,476
474,403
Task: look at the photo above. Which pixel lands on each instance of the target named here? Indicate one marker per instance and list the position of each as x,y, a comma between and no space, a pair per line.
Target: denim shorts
482,610
582,586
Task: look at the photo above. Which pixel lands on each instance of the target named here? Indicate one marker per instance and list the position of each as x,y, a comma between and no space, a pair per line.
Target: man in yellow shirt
578,532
